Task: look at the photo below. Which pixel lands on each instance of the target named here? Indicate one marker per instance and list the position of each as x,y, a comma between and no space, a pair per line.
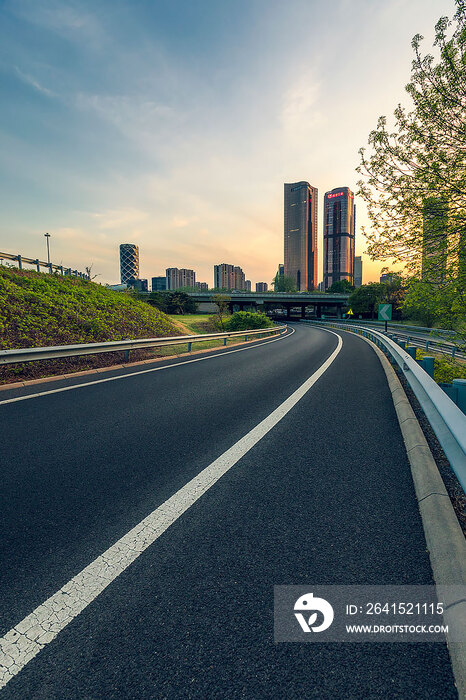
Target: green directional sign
385,312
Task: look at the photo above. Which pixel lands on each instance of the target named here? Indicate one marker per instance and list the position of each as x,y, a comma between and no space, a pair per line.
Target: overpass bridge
311,304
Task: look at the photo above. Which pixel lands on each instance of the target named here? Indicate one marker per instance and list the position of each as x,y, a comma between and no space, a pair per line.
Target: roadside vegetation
38,310
413,182
445,368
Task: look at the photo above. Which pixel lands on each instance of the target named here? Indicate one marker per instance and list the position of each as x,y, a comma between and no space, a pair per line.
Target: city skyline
133,122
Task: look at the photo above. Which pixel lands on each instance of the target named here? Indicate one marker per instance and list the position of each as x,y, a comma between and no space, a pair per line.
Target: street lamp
47,235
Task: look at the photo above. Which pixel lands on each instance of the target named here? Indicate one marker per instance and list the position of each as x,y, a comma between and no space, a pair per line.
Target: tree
341,287
284,283
416,173
172,302
89,272
366,298
181,303
223,304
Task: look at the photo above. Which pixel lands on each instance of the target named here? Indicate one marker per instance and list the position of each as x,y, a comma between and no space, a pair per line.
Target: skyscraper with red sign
301,234
339,229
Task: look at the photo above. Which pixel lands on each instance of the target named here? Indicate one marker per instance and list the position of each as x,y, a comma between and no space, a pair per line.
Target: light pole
47,235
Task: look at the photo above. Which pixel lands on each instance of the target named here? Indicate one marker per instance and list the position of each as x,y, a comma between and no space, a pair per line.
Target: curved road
324,497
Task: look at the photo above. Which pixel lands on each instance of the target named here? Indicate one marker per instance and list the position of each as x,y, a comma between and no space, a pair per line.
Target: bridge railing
52,352
447,420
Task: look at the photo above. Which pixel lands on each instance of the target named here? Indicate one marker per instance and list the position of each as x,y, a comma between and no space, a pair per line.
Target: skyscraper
357,271
300,233
339,228
129,262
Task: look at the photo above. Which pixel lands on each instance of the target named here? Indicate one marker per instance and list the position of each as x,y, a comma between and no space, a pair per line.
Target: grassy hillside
40,309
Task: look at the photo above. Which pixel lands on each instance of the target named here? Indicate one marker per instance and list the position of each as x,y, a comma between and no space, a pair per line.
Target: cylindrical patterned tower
129,262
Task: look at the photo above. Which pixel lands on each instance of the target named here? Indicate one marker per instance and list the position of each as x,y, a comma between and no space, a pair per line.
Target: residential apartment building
177,278
262,287
229,277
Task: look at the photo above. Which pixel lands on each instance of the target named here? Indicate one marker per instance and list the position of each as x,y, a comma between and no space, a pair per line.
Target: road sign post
385,314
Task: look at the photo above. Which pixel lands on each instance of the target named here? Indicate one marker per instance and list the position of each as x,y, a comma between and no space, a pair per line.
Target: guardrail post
245,337
460,385
453,351
127,355
224,341
402,344
189,347
427,345
18,258
36,263
411,351
428,365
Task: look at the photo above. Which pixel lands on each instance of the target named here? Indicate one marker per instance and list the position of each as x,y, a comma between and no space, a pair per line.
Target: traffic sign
385,312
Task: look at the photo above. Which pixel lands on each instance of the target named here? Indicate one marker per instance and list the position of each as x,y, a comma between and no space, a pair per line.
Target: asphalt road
325,497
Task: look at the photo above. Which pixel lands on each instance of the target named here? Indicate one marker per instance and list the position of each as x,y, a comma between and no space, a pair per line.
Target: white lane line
26,639
143,371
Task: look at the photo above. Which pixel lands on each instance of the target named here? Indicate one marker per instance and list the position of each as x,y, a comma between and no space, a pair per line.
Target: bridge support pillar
303,310
288,312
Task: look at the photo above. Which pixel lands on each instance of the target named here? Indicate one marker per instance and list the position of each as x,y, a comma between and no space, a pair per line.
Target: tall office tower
301,234
262,287
339,228
159,284
357,271
129,262
178,278
434,239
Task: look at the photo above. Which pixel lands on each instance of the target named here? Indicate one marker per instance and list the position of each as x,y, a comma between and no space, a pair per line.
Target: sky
173,124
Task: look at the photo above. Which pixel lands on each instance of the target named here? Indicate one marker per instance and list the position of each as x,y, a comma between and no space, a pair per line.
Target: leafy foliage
174,302
415,186
341,287
247,320
223,310
283,283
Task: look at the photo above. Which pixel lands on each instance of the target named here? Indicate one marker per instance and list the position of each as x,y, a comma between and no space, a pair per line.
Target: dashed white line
27,638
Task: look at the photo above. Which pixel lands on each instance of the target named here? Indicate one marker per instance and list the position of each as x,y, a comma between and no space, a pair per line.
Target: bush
247,320
445,369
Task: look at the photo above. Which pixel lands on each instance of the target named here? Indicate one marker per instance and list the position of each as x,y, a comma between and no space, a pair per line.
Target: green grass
38,310
196,324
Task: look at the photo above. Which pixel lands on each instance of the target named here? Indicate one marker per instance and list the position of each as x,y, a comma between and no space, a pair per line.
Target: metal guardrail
447,420
48,353
66,271
399,326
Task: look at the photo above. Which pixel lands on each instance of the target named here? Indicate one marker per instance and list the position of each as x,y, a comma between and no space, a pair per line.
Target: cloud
29,80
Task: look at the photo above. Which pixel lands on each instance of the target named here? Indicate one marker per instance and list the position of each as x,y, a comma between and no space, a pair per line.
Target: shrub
247,320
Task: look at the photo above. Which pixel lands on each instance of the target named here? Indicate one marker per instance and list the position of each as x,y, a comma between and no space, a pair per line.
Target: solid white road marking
143,371
26,639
